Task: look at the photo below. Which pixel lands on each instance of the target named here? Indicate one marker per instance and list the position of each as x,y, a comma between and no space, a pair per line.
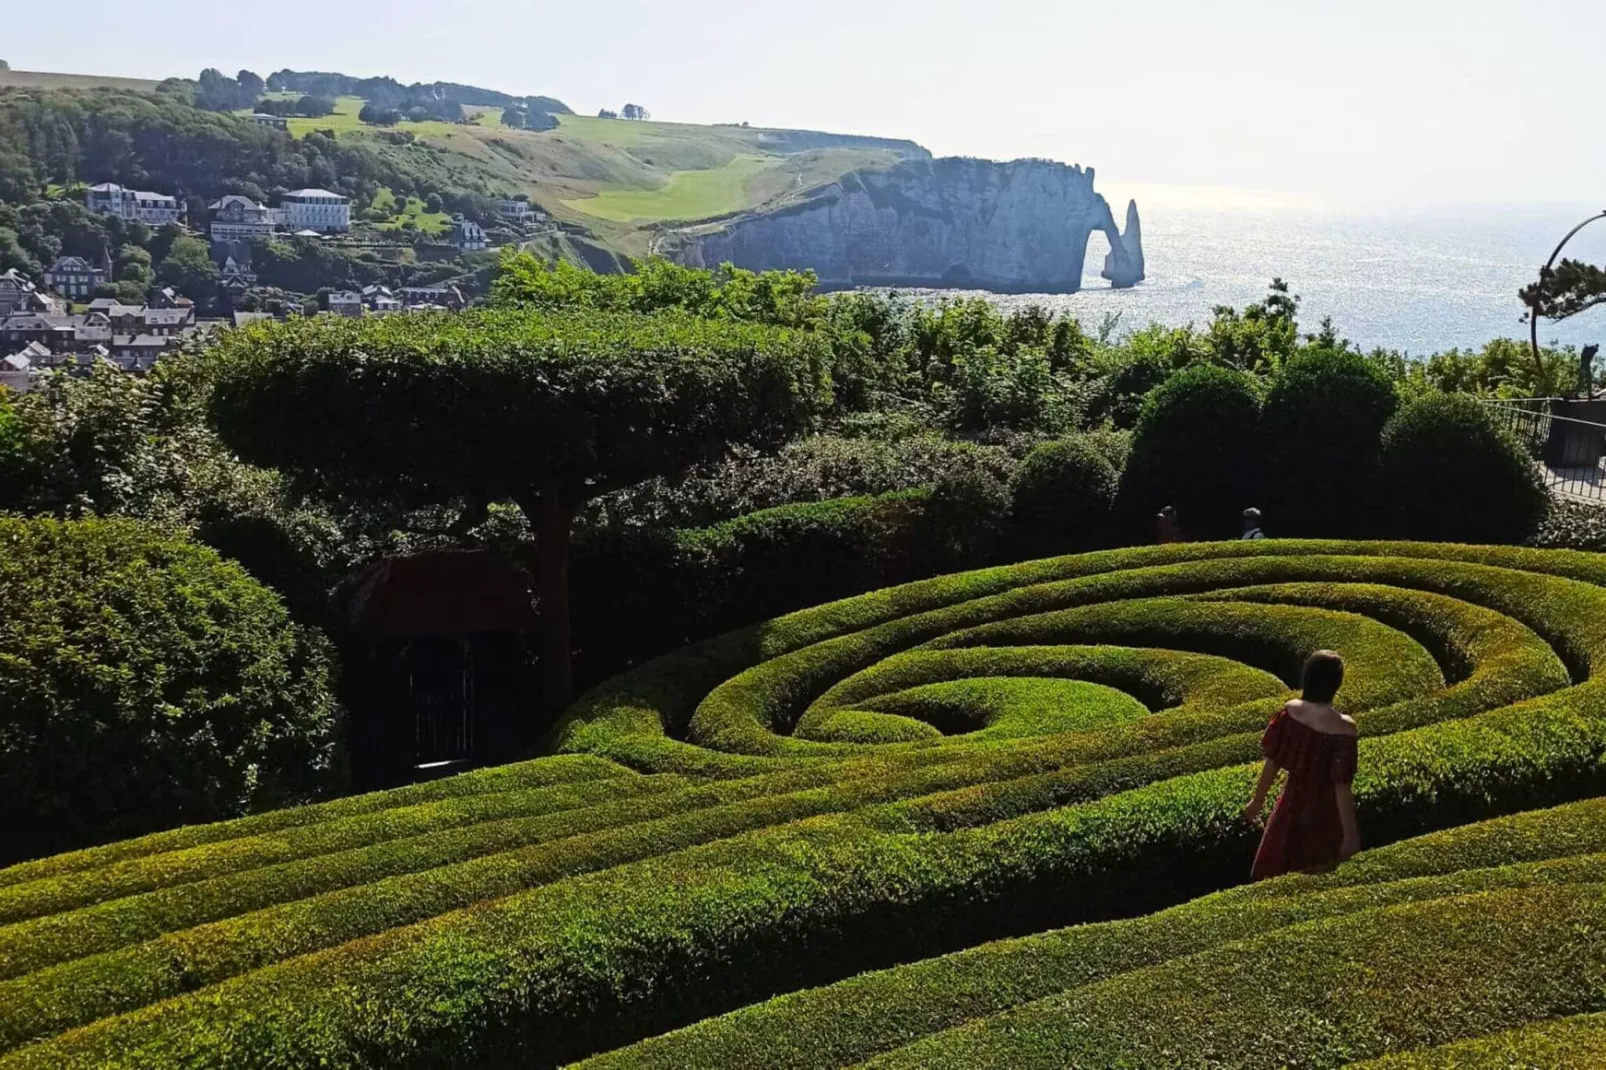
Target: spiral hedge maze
858,834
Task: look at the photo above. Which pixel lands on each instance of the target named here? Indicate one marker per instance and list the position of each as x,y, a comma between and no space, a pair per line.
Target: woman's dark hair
1324,672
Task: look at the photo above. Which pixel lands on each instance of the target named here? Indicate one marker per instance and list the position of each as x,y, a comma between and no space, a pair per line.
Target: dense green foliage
144,683
1449,472
504,404
1060,498
389,93
184,140
548,411
903,774
1320,432
1197,448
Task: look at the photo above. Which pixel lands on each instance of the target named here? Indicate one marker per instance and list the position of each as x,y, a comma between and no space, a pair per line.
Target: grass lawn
687,194
345,121
400,213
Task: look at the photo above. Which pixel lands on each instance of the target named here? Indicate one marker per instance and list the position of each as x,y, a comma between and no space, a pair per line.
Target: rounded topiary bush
1320,429
146,683
1196,447
965,516
1449,473
1060,499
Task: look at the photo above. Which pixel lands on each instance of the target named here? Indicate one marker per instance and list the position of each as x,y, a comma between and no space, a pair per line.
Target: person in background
1169,530
1313,825
1252,524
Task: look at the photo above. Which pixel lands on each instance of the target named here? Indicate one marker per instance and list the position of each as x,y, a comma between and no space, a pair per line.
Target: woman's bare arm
1346,815
1268,777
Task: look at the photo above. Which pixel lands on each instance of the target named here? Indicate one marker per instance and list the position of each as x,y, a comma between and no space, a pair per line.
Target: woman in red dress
1313,826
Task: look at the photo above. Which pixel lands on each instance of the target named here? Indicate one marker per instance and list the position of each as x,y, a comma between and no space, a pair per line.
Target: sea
1417,282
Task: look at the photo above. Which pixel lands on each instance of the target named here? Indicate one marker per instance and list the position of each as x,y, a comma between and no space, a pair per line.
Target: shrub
1571,525
965,518
1060,499
1320,428
642,592
1196,447
1449,472
798,801
1119,393
145,683
817,468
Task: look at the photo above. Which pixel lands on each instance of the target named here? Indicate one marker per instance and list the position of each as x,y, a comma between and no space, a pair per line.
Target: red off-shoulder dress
1305,831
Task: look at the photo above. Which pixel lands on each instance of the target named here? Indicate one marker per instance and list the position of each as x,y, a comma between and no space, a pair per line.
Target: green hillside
612,183
618,179
49,80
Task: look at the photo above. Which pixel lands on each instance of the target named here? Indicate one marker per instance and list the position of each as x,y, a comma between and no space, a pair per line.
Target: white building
315,209
108,198
237,218
467,234
346,303
520,213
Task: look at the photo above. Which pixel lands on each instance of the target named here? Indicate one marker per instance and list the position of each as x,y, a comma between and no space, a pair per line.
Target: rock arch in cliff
1017,227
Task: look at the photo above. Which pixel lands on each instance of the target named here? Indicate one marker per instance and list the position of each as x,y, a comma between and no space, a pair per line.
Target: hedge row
552,909
857,1019
1560,1042
1409,975
822,898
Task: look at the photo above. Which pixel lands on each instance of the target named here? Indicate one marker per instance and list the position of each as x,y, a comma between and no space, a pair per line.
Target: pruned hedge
890,777
857,1019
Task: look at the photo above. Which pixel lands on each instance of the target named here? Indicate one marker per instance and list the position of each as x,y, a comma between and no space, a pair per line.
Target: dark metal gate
440,680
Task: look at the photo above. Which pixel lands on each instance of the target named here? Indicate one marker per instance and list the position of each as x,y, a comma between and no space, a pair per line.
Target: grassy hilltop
48,80
622,180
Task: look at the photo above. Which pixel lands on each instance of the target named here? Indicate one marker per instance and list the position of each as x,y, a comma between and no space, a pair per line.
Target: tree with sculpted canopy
545,410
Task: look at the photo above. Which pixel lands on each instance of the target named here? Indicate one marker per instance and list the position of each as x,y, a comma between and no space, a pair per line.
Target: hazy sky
1384,102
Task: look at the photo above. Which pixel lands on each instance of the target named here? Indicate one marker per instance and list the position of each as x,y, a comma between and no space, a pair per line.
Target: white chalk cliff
1021,226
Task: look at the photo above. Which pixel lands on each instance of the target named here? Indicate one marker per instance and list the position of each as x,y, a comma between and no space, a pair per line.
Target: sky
1404,104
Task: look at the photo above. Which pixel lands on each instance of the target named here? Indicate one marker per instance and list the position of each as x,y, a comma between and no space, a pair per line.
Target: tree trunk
551,519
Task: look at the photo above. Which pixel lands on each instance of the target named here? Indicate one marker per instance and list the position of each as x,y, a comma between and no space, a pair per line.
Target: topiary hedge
1196,447
1060,499
857,1019
1320,430
879,780
146,683
1448,471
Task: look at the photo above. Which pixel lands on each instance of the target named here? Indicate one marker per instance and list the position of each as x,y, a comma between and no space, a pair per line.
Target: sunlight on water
1417,283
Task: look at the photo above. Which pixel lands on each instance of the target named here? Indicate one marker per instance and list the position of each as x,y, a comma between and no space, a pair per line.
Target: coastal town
69,316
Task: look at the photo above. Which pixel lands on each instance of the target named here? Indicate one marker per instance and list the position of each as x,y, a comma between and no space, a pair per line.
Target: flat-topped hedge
874,781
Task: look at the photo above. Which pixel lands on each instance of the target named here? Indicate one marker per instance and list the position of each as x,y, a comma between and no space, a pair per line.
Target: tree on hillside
189,269
4,66
251,84
607,113
548,412
636,111
377,116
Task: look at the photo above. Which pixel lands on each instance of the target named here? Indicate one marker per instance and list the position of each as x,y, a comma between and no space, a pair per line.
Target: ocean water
1418,283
